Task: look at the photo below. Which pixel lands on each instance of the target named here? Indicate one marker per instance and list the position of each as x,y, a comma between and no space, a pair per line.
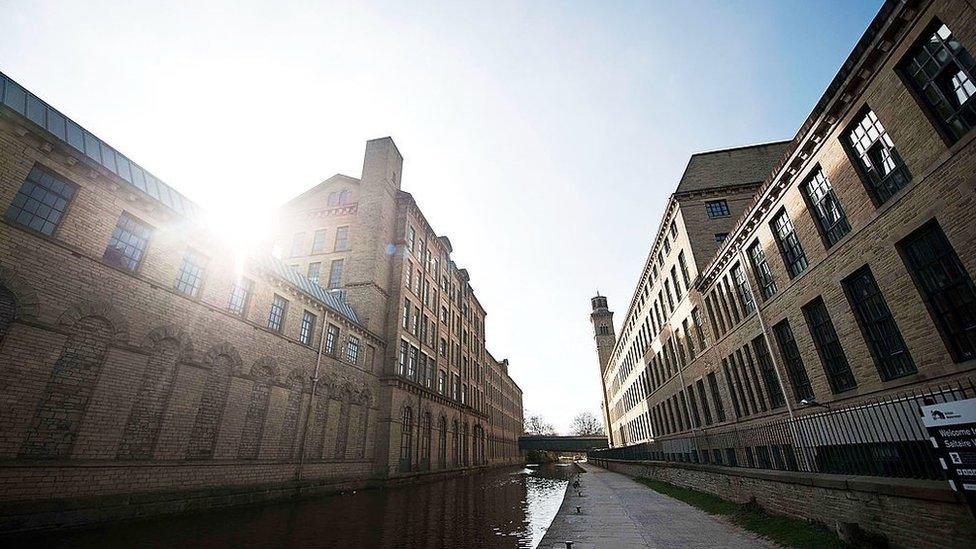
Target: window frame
870,185
39,171
838,229
722,206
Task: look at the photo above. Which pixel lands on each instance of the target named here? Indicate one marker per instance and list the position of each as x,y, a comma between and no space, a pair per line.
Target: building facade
821,272
139,356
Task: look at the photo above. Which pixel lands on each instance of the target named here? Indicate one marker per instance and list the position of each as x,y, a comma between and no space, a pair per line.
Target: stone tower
605,338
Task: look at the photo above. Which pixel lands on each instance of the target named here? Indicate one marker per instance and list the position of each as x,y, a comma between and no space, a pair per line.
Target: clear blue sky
542,137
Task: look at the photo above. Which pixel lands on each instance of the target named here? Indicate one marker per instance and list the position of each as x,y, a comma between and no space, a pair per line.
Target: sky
543,138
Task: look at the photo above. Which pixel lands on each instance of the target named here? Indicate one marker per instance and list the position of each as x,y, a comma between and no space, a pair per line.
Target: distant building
138,356
831,268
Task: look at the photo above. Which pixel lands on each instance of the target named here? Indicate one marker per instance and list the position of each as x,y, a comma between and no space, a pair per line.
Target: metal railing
881,437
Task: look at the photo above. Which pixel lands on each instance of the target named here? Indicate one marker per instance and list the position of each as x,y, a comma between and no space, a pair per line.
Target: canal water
505,508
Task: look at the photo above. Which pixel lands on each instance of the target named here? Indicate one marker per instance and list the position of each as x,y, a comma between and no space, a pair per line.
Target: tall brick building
828,268
138,356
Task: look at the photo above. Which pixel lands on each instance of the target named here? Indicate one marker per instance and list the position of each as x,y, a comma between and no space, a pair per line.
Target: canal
499,508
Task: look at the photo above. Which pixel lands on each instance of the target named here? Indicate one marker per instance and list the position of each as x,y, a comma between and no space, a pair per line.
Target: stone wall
909,513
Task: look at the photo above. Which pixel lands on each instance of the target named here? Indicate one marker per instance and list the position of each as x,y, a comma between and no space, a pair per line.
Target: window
41,201
307,329
239,296
128,243
742,288
770,379
406,439
684,269
318,241
405,319
764,277
404,353
941,72
352,349
699,329
877,326
341,239
335,274
794,363
946,287
298,244
827,211
828,346
441,381
873,153
277,313
443,348
190,277
313,271
720,238
703,398
717,208
411,238
677,285
331,338
788,244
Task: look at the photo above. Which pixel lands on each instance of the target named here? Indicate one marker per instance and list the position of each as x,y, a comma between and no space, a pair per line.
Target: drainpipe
311,403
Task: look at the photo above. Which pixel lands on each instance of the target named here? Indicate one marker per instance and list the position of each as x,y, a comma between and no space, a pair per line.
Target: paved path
617,512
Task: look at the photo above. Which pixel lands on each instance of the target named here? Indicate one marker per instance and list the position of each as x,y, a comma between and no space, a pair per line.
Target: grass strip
786,531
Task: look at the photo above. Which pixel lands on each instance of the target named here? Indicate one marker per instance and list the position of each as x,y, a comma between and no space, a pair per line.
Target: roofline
752,146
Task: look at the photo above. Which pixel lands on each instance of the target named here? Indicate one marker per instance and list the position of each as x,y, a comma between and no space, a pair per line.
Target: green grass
786,531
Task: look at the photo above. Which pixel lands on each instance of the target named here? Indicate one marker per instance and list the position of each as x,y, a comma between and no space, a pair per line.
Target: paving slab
617,512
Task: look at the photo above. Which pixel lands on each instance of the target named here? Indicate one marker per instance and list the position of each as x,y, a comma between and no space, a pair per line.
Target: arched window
343,197
8,310
457,444
425,441
406,439
442,442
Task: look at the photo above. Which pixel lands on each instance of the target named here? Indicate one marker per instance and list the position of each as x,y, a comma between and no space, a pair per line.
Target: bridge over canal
552,443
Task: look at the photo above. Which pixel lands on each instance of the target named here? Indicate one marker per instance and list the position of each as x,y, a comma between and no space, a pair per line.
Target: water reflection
502,508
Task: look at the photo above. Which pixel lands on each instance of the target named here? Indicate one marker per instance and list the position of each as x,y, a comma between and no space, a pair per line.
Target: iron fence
880,437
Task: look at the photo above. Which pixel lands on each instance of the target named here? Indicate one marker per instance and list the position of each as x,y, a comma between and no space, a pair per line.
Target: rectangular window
788,244
941,72
742,288
730,385
298,245
827,211
411,238
405,320
239,296
790,354
341,239
720,238
716,396
945,286
318,241
276,315
703,399
352,349
402,364
878,326
684,269
717,208
313,271
331,338
307,329
190,277
128,243
828,346
677,285
40,202
873,154
760,268
699,329
441,382
335,274
770,379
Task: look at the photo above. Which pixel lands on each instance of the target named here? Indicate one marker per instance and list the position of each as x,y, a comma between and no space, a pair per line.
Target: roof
66,131
730,167
334,300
